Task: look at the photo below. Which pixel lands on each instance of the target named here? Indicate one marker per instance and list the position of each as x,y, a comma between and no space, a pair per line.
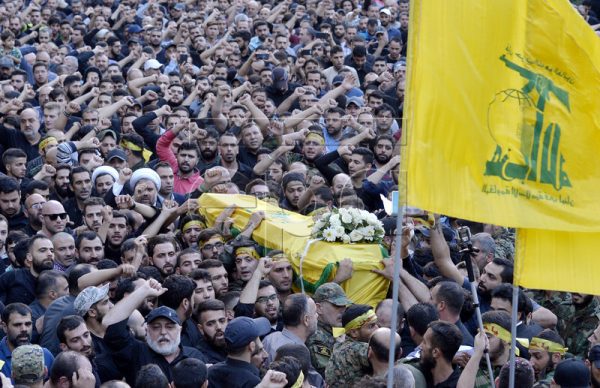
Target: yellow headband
279,257
504,335
546,346
133,147
45,142
316,137
190,224
213,238
299,381
497,331
356,323
249,251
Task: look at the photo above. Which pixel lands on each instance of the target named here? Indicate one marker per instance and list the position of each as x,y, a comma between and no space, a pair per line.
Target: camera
464,236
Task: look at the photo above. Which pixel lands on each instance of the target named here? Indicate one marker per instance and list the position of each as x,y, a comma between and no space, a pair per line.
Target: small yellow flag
502,113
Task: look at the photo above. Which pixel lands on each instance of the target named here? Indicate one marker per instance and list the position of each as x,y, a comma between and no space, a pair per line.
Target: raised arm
262,166
163,147
250,291
157,224
287,103
376,177
123,309
261,120
467,377
405,296
307,114
416,287
346,85
110,110
441,256
100,276
219,119
253,223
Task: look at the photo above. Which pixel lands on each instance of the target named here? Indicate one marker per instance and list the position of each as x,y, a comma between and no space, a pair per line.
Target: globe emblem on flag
511,119
517,121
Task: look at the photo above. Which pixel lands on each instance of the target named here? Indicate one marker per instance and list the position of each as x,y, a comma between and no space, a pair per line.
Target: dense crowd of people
116,116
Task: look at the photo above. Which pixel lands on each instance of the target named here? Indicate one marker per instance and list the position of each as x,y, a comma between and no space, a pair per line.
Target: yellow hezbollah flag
291,232
551,260
501,114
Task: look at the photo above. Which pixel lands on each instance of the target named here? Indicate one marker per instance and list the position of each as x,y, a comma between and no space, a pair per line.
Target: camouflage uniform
482,379
557,302
505,244
545,381
349,362
551,300
579,326
321,345
322,342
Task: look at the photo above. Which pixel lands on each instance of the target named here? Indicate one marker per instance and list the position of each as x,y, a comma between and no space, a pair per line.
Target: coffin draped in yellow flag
290,232
503,126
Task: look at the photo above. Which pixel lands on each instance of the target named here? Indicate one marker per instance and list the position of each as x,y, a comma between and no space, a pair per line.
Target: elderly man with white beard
163,337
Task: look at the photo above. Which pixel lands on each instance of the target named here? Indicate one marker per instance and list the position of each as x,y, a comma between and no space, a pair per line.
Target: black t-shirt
233,374
13,138
246,156
75,215
17,286
278,96
451,381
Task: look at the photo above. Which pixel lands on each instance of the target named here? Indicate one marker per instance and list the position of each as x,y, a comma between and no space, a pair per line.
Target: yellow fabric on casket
290,232
281,229
364,286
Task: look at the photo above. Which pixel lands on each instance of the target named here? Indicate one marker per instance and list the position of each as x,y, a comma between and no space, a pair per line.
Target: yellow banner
290,232
565,261
502,113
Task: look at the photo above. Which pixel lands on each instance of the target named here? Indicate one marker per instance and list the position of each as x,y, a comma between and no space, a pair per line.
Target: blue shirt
6,358
330,143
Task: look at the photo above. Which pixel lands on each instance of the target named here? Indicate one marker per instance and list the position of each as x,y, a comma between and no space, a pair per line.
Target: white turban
104,170
144,173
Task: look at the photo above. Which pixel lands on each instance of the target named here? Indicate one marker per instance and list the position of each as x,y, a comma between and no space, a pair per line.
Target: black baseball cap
243,330
163,312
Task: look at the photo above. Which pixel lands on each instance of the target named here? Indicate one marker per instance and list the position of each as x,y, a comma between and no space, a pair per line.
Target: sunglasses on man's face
54,217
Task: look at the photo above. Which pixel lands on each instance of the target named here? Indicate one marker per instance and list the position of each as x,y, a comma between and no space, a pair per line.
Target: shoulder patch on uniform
322,350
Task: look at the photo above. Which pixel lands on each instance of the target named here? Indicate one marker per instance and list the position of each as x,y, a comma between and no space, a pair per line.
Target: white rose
367,231
355,235
335,223
346,239
346,218
372,219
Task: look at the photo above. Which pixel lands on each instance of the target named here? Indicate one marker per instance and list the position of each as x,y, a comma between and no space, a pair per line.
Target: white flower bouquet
349,226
